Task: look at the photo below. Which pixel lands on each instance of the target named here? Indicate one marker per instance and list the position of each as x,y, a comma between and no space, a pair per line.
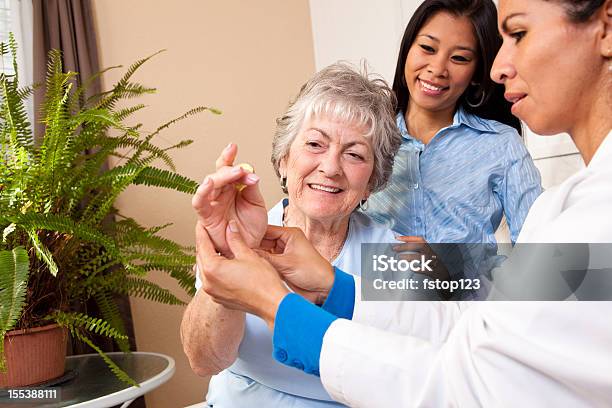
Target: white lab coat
470,354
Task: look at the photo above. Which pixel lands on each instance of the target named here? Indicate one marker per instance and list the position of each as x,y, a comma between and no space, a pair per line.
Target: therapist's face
551,67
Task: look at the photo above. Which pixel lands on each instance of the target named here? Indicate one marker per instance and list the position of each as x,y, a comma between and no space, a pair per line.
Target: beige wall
246,58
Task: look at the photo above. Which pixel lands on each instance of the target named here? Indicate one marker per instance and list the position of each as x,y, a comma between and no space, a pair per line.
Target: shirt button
418,220
314,372
416,185
298,364
280,355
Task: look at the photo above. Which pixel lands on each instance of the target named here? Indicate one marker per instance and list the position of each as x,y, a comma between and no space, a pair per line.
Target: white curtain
22,28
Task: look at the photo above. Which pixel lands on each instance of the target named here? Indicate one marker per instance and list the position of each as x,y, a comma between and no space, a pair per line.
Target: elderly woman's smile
327,189
328,168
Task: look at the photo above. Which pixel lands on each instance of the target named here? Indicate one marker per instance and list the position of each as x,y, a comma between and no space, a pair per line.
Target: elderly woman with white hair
333,148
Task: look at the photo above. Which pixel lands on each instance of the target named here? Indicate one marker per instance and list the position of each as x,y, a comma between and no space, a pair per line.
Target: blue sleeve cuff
299,328
341,299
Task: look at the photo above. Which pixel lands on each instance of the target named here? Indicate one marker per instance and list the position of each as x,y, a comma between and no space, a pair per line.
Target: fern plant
63,240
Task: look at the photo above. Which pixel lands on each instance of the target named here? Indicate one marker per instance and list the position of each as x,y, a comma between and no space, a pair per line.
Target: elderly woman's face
328,168
548,65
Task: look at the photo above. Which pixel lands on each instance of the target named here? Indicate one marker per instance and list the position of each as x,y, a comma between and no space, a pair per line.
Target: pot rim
20,332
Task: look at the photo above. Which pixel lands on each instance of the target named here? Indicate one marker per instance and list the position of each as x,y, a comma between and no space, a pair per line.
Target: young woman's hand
413,247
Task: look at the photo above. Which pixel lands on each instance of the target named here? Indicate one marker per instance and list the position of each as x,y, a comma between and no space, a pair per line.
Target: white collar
603,154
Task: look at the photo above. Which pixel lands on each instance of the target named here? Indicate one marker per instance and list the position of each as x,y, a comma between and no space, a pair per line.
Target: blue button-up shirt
457,188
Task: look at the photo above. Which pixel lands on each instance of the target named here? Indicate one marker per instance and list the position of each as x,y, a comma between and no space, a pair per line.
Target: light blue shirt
457,188
256,379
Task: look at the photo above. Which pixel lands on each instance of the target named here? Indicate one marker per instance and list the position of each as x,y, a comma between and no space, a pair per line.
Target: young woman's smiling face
328,168
441,62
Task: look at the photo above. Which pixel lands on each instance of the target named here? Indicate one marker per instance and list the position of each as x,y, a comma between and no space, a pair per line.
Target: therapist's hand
247,282
217,200
300,264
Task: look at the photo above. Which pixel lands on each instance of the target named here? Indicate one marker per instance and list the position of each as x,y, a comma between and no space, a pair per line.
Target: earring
283,183
363,204
480,102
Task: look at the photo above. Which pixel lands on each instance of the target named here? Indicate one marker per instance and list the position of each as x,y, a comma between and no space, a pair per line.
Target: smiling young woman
462,165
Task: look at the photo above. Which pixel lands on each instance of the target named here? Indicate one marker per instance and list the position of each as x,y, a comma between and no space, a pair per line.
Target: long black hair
483,15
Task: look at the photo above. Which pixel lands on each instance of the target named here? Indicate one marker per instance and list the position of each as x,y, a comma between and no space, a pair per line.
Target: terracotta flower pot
34,356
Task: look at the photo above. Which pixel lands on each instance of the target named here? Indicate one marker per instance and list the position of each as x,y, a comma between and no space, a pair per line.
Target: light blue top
256,379
457,188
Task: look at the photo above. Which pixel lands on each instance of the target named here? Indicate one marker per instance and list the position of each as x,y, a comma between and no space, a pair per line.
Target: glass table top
95,385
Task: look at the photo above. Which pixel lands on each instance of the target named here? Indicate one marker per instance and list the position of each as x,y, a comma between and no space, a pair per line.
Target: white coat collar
603,155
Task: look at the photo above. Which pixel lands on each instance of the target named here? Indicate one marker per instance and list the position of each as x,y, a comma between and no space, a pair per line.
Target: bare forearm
211,335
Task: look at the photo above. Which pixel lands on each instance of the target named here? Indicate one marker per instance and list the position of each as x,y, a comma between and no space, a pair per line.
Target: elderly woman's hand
301,266
247,282
217,200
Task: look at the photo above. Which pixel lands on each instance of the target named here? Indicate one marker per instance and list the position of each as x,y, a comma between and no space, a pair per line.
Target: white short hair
351,96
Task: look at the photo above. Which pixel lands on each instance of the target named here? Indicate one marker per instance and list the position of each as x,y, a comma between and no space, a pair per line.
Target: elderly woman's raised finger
201,199
228,176
227,156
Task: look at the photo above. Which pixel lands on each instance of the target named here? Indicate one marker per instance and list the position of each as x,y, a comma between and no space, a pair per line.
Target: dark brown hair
483,15
580,11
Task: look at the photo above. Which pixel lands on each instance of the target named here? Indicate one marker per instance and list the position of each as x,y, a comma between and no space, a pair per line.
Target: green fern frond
15,125
183,274
142,288
152,256
78,100
151,176
110,312
120,178
148,290
134,67
191,112
13,285
119,90
129,233
127,112
119,373
145,146
13,46
26,92
65,225
88,323
4,49
156,229
179,145
42,252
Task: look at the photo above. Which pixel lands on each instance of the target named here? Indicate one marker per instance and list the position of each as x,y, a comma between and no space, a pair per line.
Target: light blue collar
475,122
461,117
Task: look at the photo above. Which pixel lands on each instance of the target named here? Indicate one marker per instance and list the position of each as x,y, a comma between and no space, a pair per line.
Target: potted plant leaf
63,241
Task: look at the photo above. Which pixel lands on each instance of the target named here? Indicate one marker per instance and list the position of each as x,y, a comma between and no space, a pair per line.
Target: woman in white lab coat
556,65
